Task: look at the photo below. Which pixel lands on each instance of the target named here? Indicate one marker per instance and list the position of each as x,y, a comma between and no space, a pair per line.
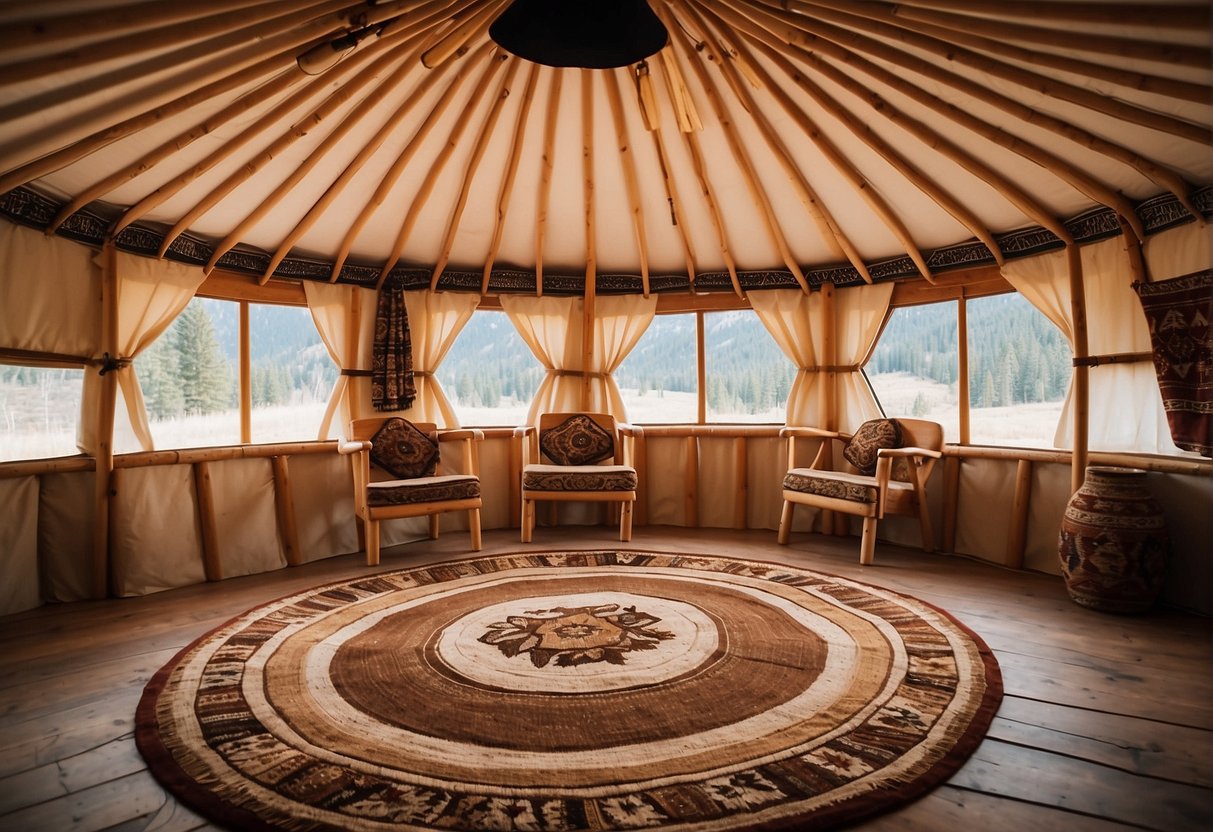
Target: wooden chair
395,475
902,453
563,461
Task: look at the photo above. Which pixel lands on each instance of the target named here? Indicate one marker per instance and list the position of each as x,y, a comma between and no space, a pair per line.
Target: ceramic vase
1113,542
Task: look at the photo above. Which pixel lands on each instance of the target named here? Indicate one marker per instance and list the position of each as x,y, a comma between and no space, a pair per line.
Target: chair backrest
592,434
365,430
918,433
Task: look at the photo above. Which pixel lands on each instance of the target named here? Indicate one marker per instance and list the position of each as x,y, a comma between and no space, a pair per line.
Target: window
657,379
39,410
915,367
191,379
748,376
490,374
1019,371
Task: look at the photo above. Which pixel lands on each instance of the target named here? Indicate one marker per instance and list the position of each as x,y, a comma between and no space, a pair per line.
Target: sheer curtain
1126,412
436,319
151,294
797,322
345,318
552,328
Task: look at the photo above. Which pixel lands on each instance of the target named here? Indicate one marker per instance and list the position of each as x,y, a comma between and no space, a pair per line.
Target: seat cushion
579,478
423,490
873,435
578,440
403,450
837,484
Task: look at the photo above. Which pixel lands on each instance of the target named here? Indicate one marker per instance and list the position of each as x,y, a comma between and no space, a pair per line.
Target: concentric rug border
198,797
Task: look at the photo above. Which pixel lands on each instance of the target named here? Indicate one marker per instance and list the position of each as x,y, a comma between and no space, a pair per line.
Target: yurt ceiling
771,142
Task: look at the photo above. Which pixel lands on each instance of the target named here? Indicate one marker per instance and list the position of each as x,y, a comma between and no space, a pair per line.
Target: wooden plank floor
1107,721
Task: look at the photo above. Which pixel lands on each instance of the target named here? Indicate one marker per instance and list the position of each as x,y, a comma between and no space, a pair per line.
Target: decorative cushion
579,478
423,490
578,440
402,450
839,485
870,438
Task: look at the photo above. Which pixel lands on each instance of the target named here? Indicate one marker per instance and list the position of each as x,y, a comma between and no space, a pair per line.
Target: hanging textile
392,386
1178,313
797,322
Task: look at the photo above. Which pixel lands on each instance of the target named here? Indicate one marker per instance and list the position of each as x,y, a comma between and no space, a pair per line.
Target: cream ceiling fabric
825,140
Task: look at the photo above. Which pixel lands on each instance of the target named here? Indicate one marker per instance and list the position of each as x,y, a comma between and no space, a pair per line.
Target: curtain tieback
578,373
358,373
1115,358
109,363
833,368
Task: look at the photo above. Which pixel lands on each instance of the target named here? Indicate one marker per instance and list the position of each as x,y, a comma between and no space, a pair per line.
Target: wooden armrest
352,446
523,430
475,434
909,451
800,431
629,430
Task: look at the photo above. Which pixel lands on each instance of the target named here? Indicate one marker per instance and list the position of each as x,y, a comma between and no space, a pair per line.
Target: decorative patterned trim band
89,225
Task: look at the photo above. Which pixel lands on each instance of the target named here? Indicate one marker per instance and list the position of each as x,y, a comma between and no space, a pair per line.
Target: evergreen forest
1015,356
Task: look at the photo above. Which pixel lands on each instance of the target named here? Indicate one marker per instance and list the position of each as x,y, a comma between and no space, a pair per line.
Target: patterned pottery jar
1113,542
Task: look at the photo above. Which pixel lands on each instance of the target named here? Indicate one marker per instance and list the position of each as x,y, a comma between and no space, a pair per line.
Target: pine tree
205,380
160,377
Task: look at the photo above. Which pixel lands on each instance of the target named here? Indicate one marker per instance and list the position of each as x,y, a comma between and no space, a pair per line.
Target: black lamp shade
594,34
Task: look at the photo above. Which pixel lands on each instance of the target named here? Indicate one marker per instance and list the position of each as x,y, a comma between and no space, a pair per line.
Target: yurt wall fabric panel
663,488
39,275
151,293
436,319
245,517
19,545
1189,582
797,322
766,463
1125,412
65,535
1179,251
345,318
322,489
718,483
497,511
987,491
155,539
1050,493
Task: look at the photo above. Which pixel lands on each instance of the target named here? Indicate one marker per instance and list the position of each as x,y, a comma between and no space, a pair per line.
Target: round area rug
567,691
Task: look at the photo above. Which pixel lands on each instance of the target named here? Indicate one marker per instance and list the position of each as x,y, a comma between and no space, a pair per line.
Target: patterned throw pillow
578,440
402,450
870,438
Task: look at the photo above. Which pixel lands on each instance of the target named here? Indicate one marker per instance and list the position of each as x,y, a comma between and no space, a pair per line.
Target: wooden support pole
628,160
511,172
701,370
455,42
829,349
284,508
1018,537
962,369
741,486
102,490
640,447
1082,386
951,502
545,175
691,483
211,562
518,454
591,240
246,377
